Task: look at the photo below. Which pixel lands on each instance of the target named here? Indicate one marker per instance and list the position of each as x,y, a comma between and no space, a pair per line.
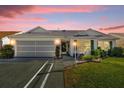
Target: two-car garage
34,49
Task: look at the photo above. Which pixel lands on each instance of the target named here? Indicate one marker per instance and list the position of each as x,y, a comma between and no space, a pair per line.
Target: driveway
50,76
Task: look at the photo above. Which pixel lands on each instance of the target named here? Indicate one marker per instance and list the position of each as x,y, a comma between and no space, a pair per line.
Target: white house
120,41
40,42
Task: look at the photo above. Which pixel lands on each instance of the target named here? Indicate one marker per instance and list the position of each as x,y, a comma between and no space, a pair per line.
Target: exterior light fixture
12,42
74,43
57,42
75,50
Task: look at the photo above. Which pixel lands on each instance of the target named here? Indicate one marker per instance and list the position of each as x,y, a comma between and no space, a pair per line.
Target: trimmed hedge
116,52
7,51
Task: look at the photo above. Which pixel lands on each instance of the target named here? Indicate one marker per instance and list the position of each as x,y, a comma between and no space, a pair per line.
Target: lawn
17,74
107,74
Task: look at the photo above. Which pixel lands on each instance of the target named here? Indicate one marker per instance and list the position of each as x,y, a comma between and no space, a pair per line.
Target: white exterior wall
95,44
113,43
71,47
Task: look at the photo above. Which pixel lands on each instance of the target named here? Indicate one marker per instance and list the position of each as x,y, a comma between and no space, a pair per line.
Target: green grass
107,74
17,74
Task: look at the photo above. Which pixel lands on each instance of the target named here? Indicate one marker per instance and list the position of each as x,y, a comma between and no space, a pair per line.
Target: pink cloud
67,25
14,10
4,20
11,11
67,9
113,27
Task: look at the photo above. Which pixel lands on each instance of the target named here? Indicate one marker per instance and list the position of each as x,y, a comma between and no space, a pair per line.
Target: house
5,33
120,41
40,42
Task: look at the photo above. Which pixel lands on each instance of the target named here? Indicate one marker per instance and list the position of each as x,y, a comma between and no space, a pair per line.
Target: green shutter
110,43
92,46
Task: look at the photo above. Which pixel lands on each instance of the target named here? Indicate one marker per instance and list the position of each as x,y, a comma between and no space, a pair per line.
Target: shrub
7,51
116,51
57,51
103,53
99,53
87,57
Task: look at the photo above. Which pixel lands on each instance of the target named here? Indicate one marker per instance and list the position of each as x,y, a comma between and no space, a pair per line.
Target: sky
104,18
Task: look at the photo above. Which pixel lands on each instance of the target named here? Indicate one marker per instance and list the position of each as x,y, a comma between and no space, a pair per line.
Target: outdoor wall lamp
12,42
57,42
75,50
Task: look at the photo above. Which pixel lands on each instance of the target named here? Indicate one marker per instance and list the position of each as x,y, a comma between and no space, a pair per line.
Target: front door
65,47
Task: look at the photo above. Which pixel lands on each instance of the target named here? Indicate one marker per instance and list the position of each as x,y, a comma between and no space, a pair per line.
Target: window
104,45
84,46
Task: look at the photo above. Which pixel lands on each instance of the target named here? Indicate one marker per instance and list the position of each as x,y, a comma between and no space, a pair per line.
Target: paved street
44,75
52,79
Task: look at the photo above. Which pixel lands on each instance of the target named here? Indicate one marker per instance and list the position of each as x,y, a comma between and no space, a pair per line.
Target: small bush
7,51
116,51
87,57
99,53
57,51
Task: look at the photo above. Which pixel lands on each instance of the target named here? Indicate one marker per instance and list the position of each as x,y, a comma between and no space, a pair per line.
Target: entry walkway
56,78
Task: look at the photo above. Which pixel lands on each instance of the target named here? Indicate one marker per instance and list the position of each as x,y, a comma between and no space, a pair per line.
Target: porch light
75,50
74,43
12,42
57,42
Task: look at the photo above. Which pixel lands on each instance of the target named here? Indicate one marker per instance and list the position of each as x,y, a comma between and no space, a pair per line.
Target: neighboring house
120,41
5,33
40,42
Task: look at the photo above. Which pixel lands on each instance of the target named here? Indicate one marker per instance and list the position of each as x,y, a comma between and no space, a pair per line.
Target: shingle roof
118,35
88,34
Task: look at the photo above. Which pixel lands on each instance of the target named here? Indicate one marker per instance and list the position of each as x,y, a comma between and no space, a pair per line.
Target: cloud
67,25
67,9
4,20
113,28
12,11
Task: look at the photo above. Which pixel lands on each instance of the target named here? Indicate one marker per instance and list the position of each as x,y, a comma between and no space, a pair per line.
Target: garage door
35,49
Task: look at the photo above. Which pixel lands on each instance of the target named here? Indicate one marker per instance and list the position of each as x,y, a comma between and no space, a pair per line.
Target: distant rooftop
6,33
119,35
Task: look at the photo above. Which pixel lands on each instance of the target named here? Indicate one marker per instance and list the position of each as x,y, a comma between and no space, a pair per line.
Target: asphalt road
51,76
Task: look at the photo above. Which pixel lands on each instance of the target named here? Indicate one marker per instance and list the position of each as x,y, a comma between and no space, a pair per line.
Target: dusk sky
22,18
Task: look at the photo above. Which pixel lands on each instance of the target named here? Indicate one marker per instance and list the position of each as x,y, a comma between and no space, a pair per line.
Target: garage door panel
45,49
44,43
25,43
35,49
26,48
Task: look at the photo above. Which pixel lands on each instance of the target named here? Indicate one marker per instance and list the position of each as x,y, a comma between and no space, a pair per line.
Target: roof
6,33
118,35
87,34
